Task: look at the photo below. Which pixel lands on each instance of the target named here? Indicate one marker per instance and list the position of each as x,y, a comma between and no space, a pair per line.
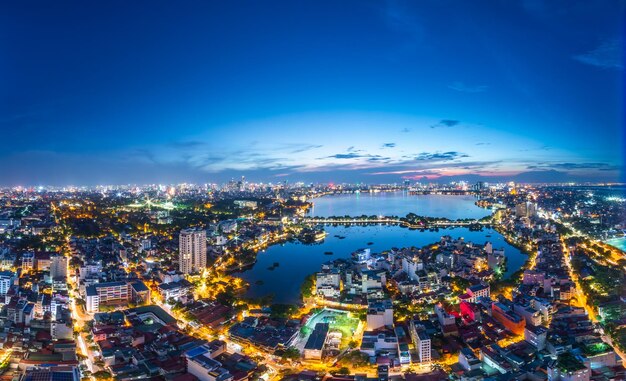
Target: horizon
324,92
397,185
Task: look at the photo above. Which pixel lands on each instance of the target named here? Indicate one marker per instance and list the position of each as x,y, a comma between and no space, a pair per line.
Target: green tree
283,310
102,375
307,286
290,354
355,358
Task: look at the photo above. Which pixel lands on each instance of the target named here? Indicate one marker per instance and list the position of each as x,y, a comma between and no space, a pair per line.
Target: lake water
297,260
620,243
397,204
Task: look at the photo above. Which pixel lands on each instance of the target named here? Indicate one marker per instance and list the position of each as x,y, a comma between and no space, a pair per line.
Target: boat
328,253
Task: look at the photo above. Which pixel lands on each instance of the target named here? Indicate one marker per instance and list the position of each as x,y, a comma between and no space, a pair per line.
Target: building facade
192,250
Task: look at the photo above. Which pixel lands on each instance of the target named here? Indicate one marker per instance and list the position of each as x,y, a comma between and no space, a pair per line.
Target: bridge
390,221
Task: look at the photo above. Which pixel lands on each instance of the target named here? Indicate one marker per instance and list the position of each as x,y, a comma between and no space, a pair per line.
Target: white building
531,315
228,226
421,341
6,280
90,268
362,255
328,283
379,315
200,363
28,261
568,368
468,360
478,290
423,346
118,292
536,336
411,266
192,250
374,342
175,290
444,317
246,204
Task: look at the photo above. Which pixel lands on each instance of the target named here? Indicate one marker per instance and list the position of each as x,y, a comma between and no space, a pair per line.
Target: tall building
28,261
58,267
6,280
423,345
192,250
421,341
526,209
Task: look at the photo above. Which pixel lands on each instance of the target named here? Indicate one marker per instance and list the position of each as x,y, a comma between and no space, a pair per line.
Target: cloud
375,159
388,145
483,144
355,155
298,148
574,166
461,87
51,168
608,55
446,123
350,155
187,144
440,156
353,149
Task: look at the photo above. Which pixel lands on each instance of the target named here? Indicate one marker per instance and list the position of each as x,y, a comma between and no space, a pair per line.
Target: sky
143,92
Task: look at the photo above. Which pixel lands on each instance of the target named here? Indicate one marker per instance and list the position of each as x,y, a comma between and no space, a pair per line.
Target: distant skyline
320,91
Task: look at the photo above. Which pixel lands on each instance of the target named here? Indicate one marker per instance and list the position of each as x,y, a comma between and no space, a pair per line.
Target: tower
192,250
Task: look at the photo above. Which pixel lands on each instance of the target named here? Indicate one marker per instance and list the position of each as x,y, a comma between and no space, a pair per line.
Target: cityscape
313,191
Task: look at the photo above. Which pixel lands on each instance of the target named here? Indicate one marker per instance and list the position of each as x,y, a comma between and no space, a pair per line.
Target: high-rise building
192,250
421,341
28,261
526,209
423,345
58,267
6,280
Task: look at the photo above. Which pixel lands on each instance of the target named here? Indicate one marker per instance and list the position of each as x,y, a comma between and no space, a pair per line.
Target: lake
620,243
297,260
397,204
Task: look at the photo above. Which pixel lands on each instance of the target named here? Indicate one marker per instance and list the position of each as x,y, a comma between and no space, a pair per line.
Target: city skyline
319,92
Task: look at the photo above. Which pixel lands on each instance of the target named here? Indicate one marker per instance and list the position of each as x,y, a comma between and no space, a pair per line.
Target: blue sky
359,91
